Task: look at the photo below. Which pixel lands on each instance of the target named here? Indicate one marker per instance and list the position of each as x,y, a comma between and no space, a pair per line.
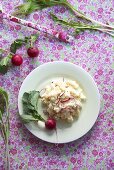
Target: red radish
17,60
65,100
63,36
50,124
33,52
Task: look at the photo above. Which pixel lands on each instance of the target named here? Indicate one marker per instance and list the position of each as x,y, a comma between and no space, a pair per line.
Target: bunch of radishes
14,57
17,59
32,51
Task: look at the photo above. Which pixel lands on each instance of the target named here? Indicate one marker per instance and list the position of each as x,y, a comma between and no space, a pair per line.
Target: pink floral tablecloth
94,51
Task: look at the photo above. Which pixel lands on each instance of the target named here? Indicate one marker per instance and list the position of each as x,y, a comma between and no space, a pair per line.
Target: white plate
44,74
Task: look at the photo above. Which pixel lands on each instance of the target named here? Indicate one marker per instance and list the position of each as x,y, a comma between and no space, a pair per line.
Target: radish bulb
50,124
33,52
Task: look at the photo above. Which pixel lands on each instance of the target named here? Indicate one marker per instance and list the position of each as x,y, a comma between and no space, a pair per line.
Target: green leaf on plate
34,97
27,118
30,106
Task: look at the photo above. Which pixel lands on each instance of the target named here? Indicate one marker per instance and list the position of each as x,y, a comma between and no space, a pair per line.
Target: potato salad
63,99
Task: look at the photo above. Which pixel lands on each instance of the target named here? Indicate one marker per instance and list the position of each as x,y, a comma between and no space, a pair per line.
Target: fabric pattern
93,51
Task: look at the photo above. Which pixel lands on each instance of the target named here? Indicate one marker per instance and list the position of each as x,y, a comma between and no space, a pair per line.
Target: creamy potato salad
63,99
